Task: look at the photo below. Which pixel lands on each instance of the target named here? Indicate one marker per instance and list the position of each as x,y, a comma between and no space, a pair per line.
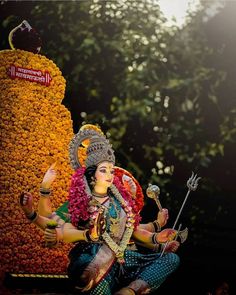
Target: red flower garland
79,199
127,196
139,197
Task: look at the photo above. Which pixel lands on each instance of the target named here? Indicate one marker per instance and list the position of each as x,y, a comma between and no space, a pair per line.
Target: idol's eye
112,171
103,170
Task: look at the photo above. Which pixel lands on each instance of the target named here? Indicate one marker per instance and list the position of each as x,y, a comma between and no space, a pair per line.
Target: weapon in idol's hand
192,185
153,192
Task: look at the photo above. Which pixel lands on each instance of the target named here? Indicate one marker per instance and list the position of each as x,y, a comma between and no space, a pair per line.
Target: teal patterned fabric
151,268
80,256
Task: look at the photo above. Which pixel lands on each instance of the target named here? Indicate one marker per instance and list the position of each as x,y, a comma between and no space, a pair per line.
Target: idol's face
104,175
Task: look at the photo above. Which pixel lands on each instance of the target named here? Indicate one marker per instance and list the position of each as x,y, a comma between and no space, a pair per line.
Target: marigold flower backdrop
167,111
35,132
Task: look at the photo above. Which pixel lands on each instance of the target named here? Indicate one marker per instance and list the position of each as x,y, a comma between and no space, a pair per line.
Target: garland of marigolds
35,132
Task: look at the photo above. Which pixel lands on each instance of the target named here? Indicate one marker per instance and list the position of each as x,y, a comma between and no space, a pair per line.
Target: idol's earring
93,181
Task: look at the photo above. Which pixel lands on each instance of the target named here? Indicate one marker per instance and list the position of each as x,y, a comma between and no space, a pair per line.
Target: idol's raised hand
49,177
129,184
26,202
162,217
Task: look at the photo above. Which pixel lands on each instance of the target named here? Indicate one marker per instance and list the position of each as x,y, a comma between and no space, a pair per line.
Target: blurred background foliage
164,95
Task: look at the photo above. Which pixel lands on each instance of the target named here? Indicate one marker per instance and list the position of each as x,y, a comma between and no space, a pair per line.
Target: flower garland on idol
79,197
139,197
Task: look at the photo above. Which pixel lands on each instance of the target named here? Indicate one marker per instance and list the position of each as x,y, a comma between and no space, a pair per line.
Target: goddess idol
101,218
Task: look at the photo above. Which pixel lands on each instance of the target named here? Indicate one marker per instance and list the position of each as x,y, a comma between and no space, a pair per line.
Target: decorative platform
38,283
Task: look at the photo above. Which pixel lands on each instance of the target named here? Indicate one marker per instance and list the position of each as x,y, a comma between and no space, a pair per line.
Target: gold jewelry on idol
90,147
99,195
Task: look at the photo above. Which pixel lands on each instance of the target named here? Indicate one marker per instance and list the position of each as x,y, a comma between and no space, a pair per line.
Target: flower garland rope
120,249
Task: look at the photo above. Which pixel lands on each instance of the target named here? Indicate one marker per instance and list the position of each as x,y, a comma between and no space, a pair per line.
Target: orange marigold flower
36,130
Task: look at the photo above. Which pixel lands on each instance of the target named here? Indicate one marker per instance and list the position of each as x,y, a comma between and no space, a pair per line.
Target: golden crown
99,151
90,147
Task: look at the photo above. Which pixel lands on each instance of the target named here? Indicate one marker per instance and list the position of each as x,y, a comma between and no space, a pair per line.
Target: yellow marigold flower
36,131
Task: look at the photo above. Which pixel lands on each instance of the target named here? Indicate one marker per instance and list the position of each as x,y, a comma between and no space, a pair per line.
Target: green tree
154,89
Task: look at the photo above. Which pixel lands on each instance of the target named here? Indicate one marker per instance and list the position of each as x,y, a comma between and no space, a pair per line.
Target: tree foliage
155,90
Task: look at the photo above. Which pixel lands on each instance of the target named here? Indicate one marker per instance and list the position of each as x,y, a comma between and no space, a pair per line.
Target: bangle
157,226
154,239
32,216
45,192
86,235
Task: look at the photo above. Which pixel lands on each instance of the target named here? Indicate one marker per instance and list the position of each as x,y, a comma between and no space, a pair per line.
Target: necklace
113,217
119,249
111,211
99,195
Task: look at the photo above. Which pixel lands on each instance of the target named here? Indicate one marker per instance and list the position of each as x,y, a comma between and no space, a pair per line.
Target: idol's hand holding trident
192,185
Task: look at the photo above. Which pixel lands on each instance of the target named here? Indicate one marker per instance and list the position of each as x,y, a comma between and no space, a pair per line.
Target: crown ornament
90,147
98,151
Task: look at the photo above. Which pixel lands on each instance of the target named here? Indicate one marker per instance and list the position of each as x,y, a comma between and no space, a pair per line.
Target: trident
192,185
153,192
